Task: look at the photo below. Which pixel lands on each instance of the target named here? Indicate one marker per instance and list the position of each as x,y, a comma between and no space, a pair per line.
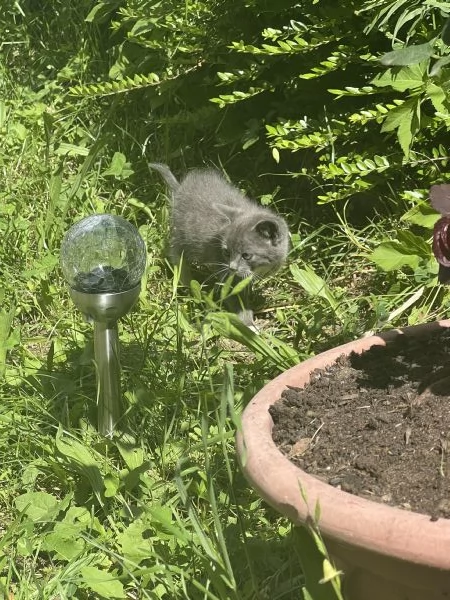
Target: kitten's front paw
253,328
246,316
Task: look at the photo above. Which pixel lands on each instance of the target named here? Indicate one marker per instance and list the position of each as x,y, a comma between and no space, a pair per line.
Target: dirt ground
376,425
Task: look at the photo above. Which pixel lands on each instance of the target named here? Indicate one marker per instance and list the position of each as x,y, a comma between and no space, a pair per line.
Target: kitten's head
255,246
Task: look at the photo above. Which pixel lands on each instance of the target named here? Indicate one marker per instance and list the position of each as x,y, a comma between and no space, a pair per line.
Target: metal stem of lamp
105,310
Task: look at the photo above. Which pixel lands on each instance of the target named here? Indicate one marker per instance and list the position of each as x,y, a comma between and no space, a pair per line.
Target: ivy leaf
406,119
410,55
102,582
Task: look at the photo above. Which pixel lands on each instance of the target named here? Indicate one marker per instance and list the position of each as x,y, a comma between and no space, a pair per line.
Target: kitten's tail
169,177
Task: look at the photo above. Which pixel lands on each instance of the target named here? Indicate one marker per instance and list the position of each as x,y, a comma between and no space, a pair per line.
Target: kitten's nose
234,265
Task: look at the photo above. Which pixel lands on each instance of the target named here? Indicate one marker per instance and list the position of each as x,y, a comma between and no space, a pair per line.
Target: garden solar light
103,259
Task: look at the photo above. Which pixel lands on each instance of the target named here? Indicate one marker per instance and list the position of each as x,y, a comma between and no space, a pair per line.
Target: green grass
161,510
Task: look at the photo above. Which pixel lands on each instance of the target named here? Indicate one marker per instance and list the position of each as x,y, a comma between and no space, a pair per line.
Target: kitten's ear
230,212
269,230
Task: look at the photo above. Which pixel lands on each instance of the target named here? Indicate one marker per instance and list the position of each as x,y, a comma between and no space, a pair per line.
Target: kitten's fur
214,225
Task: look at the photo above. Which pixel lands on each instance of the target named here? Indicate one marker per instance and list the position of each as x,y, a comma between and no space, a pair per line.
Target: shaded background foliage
292,101
228,82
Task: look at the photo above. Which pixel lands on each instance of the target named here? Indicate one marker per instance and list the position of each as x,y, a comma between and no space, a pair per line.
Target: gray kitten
215,226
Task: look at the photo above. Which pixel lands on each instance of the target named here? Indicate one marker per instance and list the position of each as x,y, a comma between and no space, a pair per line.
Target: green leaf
226,287
112,484
410,55
407,78
330,573
406,119
65,540
406,252
119,167
24,546
422,214
101,11
102,582
38,506
132,456
270,347
437,67
134,546
313,284
66,149
414,243
118,162
241,285
312,558
195,289
162,520
438,96
8,337
81,460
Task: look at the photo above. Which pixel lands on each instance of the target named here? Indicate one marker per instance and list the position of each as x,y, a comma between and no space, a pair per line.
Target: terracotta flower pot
386,553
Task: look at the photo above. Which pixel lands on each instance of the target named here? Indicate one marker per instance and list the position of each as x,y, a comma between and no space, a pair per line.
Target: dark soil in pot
376,425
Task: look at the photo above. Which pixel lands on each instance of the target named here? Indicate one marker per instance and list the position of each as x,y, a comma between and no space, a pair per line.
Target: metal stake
107,360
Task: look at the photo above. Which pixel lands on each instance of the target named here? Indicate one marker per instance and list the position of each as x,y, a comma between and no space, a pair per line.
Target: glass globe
103,254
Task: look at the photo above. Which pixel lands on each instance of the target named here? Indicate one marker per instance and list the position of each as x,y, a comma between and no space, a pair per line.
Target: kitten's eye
247,256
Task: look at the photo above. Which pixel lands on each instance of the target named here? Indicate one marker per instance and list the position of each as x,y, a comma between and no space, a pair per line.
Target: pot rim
343,517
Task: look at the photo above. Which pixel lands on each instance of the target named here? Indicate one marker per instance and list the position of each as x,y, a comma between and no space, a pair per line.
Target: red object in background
440,201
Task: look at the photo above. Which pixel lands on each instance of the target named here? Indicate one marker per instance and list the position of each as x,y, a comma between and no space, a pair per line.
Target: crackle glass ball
103,254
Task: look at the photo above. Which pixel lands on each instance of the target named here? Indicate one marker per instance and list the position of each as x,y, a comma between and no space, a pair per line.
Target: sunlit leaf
102,582
407,78
39,506
409,55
